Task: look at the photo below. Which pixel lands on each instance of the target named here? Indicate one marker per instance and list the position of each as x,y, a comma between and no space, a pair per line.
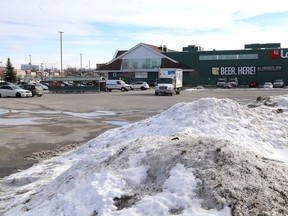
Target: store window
228,57
128,64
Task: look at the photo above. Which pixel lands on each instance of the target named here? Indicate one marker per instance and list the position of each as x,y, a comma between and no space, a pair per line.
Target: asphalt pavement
34,129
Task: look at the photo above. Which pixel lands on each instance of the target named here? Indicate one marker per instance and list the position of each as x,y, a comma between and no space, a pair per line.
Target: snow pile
208,157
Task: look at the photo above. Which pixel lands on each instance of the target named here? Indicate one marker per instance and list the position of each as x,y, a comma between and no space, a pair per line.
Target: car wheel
123,89
18,95
142,88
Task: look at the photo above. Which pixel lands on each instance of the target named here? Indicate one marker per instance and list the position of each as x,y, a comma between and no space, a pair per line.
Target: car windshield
15,87
222,80
165,80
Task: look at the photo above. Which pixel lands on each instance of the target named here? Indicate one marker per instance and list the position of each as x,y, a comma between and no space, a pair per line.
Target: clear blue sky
97,28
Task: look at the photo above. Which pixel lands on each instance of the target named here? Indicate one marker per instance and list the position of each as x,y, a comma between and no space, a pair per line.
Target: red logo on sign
274,54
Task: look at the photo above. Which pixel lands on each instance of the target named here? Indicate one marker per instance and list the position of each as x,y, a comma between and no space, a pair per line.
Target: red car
253,85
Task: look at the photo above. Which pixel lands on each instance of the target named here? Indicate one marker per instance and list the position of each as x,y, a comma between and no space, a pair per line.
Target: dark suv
36,90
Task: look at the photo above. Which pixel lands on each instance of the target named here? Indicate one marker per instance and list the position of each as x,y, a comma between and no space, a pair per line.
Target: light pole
81,61
60,32
30,63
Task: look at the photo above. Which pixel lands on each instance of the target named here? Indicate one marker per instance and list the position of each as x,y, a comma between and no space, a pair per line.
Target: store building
141,62
256,62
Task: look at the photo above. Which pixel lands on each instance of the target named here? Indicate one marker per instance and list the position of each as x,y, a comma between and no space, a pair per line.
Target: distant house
30,67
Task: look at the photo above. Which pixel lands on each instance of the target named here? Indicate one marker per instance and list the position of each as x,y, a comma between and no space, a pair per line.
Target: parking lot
34,129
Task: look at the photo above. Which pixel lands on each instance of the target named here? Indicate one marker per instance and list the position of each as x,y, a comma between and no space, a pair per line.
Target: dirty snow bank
208,157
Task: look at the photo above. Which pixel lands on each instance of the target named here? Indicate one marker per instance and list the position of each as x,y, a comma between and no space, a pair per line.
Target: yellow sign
215,71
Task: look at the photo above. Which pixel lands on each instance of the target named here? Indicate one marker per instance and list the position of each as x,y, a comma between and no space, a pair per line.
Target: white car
233,81
118,85
279,83
140,85
268,85
14,91
221,82
227,85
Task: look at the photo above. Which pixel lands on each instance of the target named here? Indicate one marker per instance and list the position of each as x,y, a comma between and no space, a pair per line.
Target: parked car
14,91
118,85
253,85
46,83
44,87
5,83
227,85
268,85
233,81
35,89
279,83
140,85
221,82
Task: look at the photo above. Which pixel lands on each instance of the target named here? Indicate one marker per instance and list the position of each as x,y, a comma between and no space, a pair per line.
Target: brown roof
120,52
115,65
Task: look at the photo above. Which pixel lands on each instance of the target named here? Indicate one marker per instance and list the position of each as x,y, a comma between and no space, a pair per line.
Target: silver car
268,85
140,85
14,91
221,82
278,83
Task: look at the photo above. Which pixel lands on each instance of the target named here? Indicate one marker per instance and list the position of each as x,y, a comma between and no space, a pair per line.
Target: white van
118,85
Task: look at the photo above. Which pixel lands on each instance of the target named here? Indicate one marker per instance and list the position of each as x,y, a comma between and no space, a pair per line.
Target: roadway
33,129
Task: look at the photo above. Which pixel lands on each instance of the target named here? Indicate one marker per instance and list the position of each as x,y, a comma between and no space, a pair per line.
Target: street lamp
30,62
60,32
81,61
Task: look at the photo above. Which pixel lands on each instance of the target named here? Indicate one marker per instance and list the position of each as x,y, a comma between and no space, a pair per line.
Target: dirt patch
230,176
252,185
43,155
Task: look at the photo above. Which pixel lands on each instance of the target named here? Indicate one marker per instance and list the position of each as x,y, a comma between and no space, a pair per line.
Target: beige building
27,74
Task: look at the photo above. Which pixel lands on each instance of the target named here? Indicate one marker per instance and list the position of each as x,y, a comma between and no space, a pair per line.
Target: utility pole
60,32
80,61
30,63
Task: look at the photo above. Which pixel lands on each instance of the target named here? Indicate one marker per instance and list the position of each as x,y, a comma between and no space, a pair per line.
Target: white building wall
141,53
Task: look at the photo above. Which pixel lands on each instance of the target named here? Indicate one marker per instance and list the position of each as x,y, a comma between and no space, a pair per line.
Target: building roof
160,48
118,53
153,48
115,63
